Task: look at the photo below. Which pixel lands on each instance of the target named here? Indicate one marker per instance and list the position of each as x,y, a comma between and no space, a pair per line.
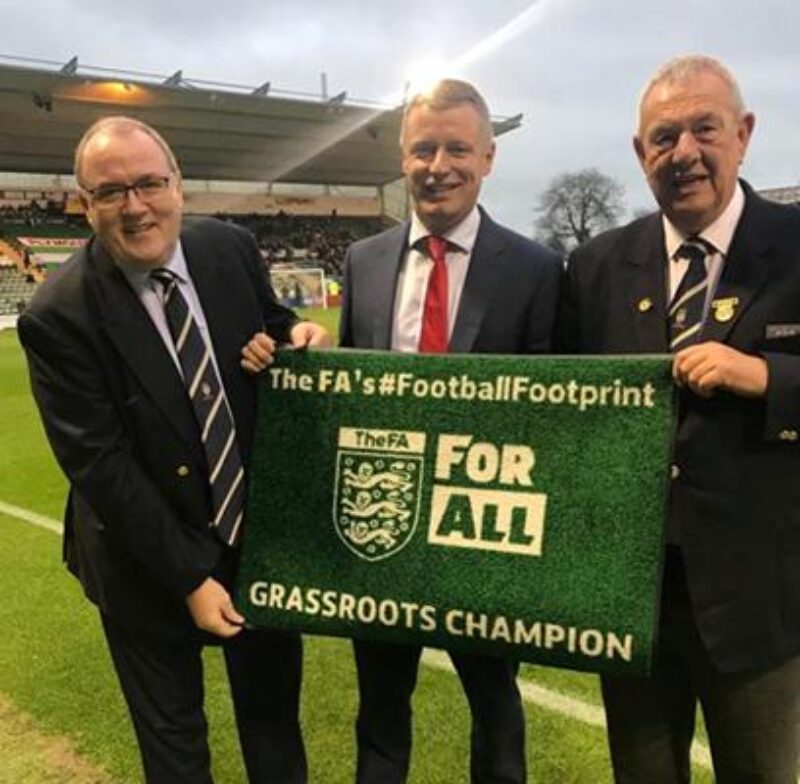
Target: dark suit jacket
122,427
736,498
507,305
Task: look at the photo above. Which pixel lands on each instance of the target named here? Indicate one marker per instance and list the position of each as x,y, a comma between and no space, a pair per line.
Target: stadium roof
218,132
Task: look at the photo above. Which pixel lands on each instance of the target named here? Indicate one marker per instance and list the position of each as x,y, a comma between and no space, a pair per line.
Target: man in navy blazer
107,379
500,296
729,635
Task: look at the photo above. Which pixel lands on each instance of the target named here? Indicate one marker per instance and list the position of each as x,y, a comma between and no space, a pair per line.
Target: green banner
503,505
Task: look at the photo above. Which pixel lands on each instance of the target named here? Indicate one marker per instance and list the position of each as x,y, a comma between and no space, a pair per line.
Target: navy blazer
735,495
121,425
507,305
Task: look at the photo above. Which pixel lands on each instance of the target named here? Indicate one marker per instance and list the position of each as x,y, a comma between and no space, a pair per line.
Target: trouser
387,675
752,718
162,681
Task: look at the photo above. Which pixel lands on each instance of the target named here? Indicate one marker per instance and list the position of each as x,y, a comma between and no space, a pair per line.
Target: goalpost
300,287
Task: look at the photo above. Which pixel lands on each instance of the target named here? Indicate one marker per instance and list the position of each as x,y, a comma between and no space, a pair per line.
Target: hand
307,333
212,610
258,354
708,367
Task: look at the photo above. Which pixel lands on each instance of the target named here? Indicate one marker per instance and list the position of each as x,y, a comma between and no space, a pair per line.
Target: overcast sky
572,67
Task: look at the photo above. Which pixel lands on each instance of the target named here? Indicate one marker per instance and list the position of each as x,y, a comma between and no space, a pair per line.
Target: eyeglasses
114,194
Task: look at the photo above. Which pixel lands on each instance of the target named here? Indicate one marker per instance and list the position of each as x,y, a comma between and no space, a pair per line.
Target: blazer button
183,470
674,471
788,435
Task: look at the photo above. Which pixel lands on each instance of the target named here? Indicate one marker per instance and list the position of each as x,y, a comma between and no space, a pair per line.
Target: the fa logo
376,498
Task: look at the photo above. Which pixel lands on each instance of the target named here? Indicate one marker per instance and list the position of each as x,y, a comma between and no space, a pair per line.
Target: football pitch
58,694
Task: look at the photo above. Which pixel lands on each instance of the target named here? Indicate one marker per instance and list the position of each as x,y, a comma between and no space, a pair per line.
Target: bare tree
576,206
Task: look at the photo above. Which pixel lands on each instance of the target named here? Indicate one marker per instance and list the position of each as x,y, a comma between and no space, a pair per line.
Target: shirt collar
462,236
719,233
139,278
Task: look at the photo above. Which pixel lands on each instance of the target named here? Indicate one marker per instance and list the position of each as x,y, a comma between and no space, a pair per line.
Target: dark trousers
752,718
162,681
387,675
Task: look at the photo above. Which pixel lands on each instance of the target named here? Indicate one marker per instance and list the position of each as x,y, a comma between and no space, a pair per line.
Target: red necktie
433,336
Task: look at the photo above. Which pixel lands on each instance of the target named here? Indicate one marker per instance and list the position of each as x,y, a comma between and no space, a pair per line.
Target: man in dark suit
729,633
499,296
151,528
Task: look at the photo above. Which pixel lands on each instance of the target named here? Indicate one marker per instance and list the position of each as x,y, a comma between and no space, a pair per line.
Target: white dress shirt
412,282
719,235
149,293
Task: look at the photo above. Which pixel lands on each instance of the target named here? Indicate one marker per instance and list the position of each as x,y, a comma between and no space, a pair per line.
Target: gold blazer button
183,470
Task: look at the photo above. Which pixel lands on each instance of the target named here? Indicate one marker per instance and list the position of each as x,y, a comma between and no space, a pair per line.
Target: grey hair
449,94
121,124
682,68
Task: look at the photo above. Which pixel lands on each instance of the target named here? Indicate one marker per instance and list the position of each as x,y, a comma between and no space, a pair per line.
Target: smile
687,180
438,189
139,228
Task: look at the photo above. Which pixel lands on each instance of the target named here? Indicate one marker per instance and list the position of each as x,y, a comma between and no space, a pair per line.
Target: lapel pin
724,309
645,304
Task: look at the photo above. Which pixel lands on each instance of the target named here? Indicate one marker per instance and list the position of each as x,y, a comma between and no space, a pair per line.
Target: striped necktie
687,306
433,337
217,433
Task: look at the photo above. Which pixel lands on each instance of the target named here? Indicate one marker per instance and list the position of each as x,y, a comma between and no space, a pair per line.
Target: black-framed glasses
114,194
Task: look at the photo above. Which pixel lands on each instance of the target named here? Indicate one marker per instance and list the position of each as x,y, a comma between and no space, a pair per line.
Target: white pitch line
560,703
31,517
538,695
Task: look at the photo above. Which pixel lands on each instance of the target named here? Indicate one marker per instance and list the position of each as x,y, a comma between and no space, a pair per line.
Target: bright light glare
507,33
424,74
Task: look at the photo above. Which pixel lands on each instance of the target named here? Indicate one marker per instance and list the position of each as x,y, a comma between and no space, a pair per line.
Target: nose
132,202
440,163
687,149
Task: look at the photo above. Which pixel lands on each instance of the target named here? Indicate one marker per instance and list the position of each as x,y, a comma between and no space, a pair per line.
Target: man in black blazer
500,297
138,532
729,633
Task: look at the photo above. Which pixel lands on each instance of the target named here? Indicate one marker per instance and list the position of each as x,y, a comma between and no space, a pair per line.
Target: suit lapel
482,277
387,268
745,271
140,346
645,288
210,275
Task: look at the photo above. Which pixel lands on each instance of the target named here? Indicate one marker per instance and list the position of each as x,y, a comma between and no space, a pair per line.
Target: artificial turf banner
503,505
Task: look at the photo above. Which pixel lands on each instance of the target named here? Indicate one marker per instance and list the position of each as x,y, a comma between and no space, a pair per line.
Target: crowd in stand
295,240
316,241
34,212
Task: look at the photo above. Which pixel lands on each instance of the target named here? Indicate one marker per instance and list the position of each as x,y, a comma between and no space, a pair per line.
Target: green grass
54,665
328,318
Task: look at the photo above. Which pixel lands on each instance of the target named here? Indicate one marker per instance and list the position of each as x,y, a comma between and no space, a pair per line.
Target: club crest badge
725,309
377,493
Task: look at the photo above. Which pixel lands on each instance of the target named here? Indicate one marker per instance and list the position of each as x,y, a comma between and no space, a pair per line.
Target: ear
638,147
179,189
87,208
490,153
745,130
405,163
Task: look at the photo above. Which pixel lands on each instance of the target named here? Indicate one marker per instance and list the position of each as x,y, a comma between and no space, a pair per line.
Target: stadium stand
319,241
37,236
16,289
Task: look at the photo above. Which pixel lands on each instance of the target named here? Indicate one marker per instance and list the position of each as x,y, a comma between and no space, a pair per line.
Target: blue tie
217,432
687,306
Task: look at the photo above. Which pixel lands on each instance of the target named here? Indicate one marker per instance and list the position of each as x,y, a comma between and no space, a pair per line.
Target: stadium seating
38,237
16,289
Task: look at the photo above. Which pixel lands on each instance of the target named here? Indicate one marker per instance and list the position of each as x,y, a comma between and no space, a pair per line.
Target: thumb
230,613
